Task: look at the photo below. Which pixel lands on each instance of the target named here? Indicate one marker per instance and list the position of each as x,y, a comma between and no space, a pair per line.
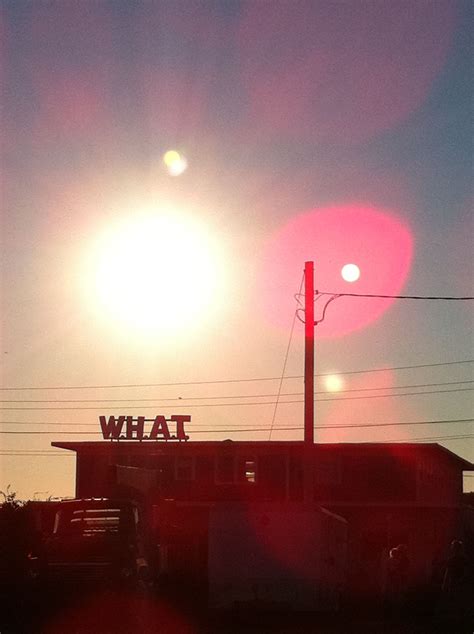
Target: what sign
133,428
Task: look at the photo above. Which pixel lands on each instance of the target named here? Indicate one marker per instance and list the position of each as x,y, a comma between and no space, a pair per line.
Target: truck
94,540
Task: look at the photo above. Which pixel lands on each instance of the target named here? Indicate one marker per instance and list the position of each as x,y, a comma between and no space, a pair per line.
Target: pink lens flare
339,72
376,240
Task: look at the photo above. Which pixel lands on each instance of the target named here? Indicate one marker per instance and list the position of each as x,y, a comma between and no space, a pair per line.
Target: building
389,493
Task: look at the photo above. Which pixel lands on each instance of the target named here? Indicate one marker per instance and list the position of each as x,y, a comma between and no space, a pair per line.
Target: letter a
160,426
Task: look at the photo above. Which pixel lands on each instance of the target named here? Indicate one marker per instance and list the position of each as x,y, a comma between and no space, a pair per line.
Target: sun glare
157,272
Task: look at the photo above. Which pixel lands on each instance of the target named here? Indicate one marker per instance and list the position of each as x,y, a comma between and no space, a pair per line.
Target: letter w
111,428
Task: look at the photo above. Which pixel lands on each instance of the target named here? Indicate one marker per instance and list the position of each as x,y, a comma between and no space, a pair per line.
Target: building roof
344,448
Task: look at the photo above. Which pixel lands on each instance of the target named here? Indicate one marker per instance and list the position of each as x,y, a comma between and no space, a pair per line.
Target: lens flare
333,383
343,71
380,243
350,272
353,408
175,163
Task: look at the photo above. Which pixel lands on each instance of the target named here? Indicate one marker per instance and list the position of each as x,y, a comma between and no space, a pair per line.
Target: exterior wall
374,530
198,475
275,554
438,481
342,474
92,476
365,476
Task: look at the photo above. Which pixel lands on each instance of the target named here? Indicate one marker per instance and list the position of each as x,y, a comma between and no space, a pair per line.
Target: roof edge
124,444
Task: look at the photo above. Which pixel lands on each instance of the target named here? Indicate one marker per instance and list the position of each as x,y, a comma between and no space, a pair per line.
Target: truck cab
95,541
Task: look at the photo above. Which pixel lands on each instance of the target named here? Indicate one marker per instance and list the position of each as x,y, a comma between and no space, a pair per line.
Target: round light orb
175,162
333,383
350,272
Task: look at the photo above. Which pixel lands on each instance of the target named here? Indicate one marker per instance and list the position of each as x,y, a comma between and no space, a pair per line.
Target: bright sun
157,272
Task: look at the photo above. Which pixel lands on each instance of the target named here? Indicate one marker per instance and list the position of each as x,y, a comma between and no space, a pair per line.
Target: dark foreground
107,610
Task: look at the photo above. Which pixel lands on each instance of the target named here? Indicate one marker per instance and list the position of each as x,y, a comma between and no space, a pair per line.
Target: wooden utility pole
309,353
308,463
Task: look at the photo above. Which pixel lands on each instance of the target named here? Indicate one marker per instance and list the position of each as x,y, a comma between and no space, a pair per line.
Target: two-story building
389,493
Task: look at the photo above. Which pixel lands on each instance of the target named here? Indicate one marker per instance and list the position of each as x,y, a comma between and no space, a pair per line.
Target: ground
112,611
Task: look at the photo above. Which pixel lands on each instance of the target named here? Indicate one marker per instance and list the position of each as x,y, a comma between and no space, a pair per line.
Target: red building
389,493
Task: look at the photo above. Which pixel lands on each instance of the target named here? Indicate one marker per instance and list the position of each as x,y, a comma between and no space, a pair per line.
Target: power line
424,297
207,398
390,369
284,364
33,454
216,426
262,429
223,381
191,405
430,438
63,454
396,424
251,426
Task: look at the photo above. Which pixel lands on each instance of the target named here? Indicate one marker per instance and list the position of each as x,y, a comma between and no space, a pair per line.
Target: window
231,470
248,470
88,522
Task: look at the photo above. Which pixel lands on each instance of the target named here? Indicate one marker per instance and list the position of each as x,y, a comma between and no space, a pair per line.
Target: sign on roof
134,428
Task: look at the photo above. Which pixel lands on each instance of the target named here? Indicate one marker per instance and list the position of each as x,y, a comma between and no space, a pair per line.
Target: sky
333,132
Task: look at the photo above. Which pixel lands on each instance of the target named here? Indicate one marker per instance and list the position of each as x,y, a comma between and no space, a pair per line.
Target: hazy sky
339,132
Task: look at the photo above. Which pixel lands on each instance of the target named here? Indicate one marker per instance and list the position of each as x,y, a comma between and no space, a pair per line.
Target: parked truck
95,540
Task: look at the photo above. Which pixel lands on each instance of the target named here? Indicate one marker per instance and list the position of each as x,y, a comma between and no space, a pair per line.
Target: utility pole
308,464
309,353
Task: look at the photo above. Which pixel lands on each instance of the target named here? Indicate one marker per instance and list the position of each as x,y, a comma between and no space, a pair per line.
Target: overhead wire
425,438
67,454
226,381
216,426
284,363
333,296
262,429
200,405
375,295
202,398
